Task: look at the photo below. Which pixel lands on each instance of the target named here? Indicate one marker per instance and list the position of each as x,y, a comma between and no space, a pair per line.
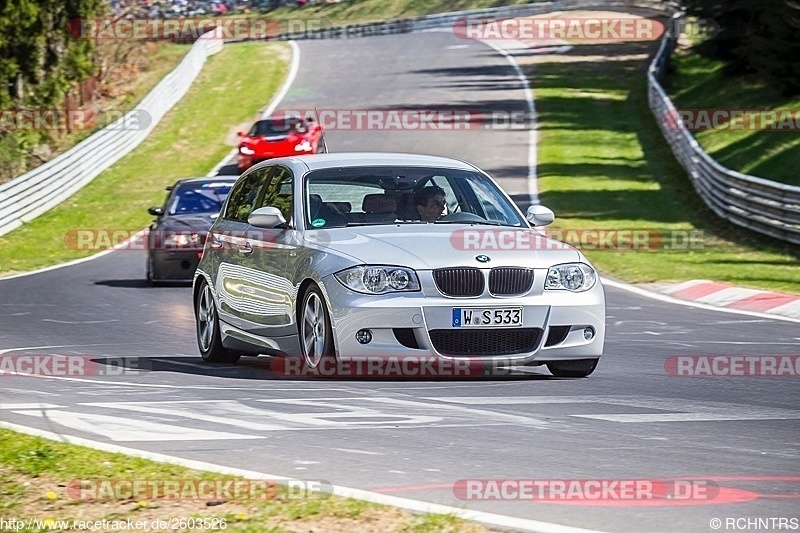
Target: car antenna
322,130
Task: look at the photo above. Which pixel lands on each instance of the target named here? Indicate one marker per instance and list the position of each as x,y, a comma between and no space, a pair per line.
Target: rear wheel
316,334
579,368
208,336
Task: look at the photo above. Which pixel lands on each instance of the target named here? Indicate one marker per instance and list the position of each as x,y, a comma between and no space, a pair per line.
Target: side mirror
266,217
539,215
156,211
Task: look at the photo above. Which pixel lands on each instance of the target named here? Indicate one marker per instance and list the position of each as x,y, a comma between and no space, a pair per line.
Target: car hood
187,222
426,247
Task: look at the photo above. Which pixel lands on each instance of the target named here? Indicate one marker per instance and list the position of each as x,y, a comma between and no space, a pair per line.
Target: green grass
603,164
698,83
35,474
188,142
357,11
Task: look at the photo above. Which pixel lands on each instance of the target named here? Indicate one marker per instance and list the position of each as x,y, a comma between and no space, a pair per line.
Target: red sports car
279,137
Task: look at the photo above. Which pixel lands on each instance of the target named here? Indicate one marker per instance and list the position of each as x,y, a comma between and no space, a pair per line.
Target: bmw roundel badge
483,258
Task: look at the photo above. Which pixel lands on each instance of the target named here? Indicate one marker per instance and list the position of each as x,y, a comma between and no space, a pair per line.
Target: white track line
122,244
533,133
492,519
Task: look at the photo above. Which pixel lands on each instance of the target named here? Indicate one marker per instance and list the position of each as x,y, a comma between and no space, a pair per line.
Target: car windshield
362,196
277,126
199,198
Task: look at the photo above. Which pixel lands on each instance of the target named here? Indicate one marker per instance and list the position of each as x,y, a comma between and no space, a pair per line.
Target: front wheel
578,368
208,336
316,334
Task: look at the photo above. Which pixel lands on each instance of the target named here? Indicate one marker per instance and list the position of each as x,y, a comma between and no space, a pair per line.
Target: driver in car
430,203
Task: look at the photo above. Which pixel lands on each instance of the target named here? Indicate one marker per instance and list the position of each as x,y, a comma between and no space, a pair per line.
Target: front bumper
174,265
399,321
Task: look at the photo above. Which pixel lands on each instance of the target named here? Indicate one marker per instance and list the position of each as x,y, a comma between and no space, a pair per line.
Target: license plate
475,317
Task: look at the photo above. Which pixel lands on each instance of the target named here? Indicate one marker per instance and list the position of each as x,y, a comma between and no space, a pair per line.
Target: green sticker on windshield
318,222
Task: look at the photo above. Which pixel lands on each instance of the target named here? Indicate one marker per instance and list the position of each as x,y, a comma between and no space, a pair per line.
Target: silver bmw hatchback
355,256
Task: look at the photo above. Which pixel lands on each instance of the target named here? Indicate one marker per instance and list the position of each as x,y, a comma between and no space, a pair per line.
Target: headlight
304,146
379,279
182,239
575,277
246,151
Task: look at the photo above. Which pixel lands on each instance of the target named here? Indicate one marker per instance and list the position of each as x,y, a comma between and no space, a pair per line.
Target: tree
756,36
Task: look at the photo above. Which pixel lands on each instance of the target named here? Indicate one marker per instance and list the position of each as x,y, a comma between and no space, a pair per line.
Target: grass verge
38,478
603,164
189,141
698,83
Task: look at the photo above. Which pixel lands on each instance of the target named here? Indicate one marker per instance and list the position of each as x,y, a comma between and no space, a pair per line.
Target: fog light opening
364,336
588,333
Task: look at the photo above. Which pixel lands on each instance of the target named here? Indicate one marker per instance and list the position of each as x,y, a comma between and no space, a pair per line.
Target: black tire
209,340
578,368
314,328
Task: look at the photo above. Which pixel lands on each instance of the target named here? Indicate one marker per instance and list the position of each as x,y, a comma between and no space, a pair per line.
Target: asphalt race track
415,439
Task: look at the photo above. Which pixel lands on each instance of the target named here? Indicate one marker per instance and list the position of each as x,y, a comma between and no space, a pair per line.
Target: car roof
375,159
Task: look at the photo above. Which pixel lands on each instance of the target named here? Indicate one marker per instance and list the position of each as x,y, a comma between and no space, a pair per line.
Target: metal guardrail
754,203
28,196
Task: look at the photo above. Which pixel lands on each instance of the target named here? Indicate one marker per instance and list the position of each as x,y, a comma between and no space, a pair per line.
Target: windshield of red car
269,127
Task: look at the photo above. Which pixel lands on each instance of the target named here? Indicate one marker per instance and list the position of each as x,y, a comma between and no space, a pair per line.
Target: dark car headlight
182,240
575,277
372,279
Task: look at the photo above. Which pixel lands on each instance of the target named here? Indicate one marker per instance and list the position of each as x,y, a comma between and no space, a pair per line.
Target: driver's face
436,208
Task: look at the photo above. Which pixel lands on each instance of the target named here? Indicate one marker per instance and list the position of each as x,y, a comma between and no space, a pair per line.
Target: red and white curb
731,297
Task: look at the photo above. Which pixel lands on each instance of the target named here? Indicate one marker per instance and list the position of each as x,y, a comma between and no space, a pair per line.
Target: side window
277,192
243,197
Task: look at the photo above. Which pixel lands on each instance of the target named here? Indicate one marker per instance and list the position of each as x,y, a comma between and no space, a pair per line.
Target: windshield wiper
473,222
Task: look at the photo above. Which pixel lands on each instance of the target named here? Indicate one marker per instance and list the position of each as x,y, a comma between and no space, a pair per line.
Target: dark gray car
177,235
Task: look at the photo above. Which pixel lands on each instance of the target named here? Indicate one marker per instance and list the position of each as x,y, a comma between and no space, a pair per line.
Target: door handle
247,249
216,243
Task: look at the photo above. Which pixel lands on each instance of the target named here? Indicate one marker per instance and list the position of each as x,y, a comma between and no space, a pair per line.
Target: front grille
459,282
477,342
510,281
